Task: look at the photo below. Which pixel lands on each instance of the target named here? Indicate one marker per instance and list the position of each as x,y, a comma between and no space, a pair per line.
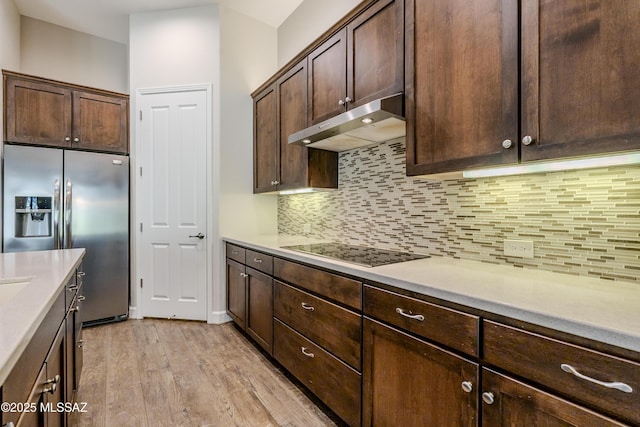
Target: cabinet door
37,113
581,77
265,141
507,402
260,308
100,122
375,53
292,104
55,383
328,78
409,382
236,293
461,84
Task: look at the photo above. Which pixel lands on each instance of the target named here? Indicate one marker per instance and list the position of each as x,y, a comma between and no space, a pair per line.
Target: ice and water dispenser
33,216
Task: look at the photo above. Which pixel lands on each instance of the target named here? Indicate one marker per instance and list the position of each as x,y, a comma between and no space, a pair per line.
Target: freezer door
30,210
98,187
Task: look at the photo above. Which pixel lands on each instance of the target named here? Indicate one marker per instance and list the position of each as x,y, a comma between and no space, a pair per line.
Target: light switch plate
518,248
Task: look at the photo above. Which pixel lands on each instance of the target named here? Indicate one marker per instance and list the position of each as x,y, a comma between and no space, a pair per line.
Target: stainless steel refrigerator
55,199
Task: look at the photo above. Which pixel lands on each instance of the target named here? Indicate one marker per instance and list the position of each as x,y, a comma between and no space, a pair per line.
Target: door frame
136,308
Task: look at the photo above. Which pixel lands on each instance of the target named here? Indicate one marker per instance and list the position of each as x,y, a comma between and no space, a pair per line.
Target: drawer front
335,383
332,286
236,253
259,261
451,328
546,362
336,329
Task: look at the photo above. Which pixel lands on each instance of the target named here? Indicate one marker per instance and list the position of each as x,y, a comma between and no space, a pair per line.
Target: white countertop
22,314
601,310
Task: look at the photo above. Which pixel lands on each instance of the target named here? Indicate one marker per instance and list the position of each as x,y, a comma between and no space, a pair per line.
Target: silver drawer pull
235,252
259,261
418,317
307,306
306,353
617,385
82,298
244,275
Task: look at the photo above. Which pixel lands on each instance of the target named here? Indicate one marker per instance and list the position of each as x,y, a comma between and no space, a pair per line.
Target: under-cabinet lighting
557,165
297,191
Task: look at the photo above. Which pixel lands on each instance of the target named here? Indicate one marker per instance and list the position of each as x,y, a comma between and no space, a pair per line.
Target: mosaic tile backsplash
581,222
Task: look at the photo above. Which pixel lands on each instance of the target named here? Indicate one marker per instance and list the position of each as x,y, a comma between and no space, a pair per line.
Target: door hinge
140,115
141,282
141,227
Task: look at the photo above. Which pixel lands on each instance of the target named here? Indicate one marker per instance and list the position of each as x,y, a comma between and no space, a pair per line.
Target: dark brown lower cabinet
510,403
54,389
409,382
259,320
333,381
236,292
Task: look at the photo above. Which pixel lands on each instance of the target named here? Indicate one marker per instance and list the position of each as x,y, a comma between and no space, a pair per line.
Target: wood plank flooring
176,373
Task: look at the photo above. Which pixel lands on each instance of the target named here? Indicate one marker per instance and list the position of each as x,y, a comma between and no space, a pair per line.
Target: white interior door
174,195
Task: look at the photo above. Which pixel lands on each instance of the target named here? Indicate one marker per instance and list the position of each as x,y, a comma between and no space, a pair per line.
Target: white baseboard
218,317
133,313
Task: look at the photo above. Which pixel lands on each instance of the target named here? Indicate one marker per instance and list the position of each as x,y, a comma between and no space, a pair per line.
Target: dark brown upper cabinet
51,113
580,77
461,95
280,110
579,89
361,62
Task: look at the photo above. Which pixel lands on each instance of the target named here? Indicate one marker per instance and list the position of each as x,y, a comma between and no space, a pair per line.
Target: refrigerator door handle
56,214
67,214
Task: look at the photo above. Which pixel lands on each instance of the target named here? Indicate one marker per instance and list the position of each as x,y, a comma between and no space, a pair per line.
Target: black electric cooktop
362,255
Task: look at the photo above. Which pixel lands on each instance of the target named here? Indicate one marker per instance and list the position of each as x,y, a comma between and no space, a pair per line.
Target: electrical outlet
518,248
306,228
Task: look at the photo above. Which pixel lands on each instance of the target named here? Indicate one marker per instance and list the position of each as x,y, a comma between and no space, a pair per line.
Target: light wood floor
177,373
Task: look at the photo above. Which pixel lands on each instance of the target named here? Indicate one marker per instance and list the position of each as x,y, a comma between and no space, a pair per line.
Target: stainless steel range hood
378,121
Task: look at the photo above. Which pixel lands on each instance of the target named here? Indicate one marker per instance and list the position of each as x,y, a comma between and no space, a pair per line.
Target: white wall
307,23
248,58
58,53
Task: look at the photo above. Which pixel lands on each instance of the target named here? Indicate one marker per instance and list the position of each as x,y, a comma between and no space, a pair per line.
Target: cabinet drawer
335,383
451,328
236,253
543,360
335,328
332,286
259,261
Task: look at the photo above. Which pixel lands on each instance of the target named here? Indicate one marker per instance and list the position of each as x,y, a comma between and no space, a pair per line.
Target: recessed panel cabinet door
510,403
37,113
409,382
237,292
100,122
328,78
292,94
461,84
375,53
265,141
581,77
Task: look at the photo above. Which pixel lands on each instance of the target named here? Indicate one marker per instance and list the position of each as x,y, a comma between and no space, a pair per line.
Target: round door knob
467,386
507,144
488,398
527,140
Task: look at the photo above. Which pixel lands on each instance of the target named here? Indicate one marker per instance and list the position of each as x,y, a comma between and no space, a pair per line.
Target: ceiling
109,19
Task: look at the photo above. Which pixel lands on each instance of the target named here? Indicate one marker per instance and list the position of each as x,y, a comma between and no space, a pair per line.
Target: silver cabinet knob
527,140
80,343
340,102
347,100
76,139
67,139
488,398
507,144
467,386
275,182
244,275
